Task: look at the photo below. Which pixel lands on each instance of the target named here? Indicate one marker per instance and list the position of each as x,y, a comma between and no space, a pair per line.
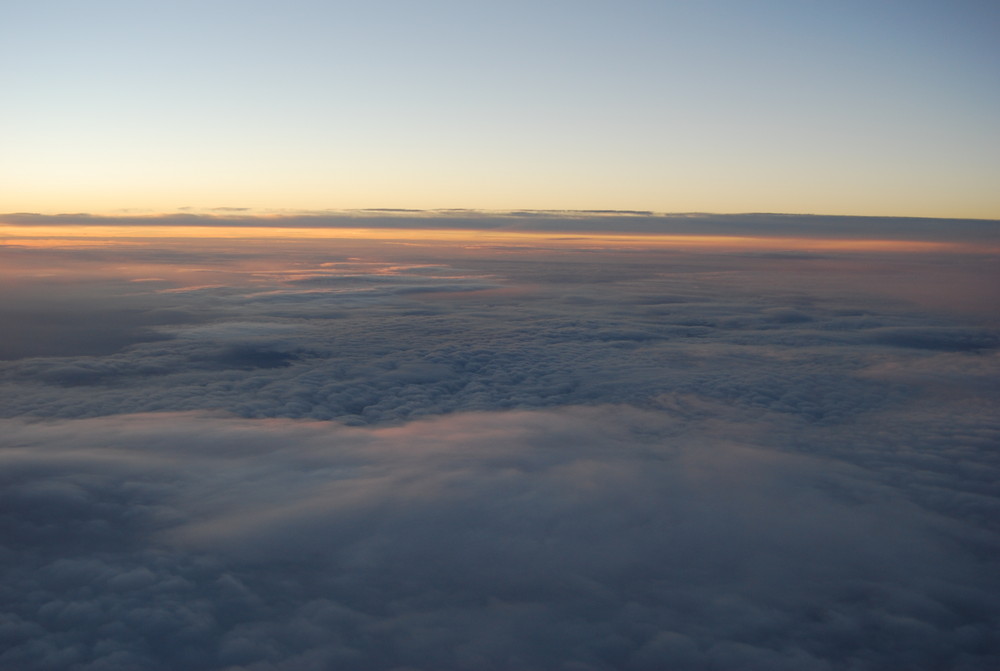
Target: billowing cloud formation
604,538
288,454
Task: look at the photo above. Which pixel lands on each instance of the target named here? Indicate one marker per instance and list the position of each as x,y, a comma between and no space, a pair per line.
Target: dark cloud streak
587,221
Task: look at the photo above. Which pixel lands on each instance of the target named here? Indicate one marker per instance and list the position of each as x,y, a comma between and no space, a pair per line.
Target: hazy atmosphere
403,336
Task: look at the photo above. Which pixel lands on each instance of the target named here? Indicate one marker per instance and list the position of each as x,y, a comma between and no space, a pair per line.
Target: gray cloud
940,338
567,221
548,457
481,331
581,538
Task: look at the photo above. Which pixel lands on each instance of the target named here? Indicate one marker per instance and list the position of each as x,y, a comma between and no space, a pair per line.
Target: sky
851,108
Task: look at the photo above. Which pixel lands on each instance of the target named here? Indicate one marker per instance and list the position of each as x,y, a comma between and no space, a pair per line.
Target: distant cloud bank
586,221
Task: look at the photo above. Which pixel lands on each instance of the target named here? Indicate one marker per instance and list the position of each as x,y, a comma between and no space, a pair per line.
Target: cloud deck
377,454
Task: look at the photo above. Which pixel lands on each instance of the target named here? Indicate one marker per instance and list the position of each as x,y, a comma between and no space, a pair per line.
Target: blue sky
879,108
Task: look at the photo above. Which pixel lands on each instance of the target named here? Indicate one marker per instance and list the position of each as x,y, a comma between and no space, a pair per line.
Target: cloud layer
278,455
604,538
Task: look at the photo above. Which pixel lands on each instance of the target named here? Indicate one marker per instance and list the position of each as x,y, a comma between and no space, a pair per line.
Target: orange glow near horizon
91,236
